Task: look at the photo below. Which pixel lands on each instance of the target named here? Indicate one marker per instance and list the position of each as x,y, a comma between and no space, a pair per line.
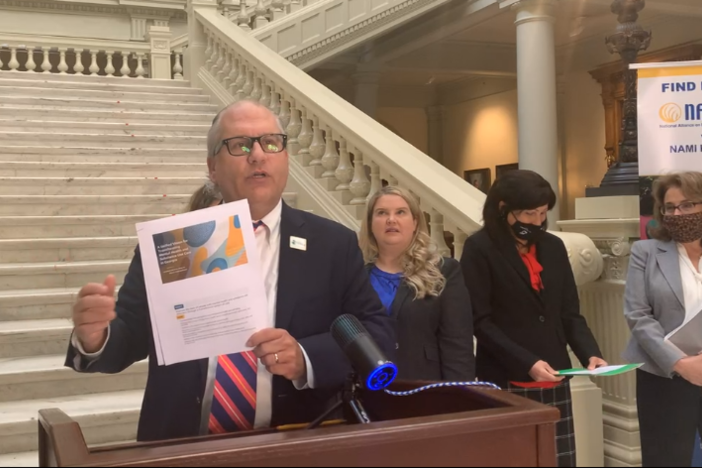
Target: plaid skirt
558,397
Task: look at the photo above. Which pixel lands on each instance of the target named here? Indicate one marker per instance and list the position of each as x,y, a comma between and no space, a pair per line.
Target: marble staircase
82,159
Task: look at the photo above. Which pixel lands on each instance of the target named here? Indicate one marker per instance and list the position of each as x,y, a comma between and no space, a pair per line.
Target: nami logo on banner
670,126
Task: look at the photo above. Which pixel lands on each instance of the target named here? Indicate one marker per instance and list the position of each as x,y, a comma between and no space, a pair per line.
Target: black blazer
516,326
435,334
314,287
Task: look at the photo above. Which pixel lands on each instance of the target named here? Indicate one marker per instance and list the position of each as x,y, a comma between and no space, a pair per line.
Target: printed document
688,337
203,282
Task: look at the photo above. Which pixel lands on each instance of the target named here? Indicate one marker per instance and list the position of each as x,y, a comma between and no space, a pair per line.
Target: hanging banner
670,125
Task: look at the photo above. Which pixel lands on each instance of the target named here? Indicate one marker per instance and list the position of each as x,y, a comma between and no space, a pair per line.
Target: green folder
607,371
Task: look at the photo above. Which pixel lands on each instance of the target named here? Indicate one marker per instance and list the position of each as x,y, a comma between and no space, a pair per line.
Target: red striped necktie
234,399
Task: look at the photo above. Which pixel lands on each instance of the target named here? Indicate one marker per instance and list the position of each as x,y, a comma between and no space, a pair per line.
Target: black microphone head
367,359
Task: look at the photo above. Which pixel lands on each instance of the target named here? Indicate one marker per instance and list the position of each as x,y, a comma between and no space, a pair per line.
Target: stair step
37,304
42,205
56,82
98,185
47,377
33,227
103,418
23,276
95,169
87,80
83,153
103,128
31,338
132,95
21,460
105,115
72,249
107,104
51,141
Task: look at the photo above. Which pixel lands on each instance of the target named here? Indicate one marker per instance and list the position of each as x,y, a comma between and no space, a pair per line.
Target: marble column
435,120
367,83
536,81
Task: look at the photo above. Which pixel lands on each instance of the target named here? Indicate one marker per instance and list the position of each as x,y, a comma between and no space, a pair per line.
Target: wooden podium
440,427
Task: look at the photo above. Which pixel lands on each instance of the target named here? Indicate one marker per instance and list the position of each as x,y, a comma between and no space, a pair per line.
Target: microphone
367,359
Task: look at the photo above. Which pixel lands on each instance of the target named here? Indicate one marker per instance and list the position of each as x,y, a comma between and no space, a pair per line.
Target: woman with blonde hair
424,292
206,196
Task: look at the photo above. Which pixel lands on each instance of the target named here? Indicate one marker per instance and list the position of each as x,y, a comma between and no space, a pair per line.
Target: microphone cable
442,385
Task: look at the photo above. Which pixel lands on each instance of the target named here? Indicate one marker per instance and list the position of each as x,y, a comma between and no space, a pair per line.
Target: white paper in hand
203,282
688,337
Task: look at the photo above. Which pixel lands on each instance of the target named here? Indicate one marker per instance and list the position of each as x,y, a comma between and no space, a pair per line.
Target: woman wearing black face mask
664,291
525,303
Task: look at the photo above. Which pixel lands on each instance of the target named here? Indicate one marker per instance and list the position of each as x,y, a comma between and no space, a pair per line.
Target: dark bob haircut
519,190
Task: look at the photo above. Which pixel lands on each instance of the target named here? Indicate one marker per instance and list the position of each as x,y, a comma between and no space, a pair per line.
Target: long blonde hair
421,262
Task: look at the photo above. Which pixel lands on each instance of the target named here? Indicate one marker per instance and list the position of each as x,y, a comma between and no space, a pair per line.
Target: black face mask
530,233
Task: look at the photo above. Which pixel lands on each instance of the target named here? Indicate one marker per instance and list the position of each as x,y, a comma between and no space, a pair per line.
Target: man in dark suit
313,272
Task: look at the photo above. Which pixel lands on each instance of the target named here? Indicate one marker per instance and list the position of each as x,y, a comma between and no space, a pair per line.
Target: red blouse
535,269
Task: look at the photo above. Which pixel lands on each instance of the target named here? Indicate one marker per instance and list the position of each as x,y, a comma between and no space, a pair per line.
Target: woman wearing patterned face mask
525,303
664,291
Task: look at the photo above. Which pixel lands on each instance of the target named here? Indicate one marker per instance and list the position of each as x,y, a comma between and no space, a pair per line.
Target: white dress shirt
691,283
268,246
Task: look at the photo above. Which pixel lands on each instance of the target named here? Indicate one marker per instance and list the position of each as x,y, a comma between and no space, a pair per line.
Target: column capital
531,10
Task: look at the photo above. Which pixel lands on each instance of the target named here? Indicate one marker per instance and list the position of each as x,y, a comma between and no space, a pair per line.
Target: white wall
70,25
481,133
409,123
583,118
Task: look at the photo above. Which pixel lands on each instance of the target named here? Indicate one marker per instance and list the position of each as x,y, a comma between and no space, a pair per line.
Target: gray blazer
654,305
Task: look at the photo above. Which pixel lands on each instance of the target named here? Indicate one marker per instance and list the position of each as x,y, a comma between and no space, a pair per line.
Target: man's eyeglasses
687,207
242,146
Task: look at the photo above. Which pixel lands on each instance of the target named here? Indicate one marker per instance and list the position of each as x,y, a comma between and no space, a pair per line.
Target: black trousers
670,413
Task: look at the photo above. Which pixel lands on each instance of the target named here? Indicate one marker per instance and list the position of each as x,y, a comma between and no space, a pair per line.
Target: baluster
392,180
265,94
94,69
330,160
278,9
46,63
344,171
208,53
305,139
140,65
317,147
375,183
293,130
261,19
109,68
126,70
459,239
1,64
78,67
243,18
226,70
284,112
233,73
178,66
13,63
217,58
31,65
62,66
241,81
360,185
249,84
437,232
256,91
286,7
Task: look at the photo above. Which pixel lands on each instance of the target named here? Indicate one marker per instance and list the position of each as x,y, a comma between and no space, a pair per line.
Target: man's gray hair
214,136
